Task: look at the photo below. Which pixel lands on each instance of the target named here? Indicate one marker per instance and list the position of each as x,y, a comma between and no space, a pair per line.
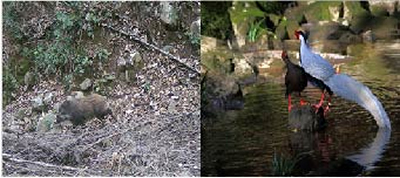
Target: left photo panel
101,89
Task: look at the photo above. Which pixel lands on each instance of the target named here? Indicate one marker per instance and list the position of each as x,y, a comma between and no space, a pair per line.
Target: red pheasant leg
290,103
321,101
302,102
327,108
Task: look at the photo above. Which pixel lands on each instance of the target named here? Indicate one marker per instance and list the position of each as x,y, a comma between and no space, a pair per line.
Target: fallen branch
104,138
10,157
131,36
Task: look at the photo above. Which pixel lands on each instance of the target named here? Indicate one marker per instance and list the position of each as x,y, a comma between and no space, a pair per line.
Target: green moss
244,11
286,28
275,18
355,8
217,60
10,84
378,11
319,11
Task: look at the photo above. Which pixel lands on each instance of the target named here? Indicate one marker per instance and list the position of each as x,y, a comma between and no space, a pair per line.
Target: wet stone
305,118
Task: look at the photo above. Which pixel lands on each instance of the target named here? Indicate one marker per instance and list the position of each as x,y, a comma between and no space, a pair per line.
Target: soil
155,126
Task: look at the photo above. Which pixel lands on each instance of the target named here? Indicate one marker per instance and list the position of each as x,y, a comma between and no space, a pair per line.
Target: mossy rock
319,11
281,31
217,60
353,9
379,11
384,27
350,38
275,18
286,28
290,45
361,22
328,31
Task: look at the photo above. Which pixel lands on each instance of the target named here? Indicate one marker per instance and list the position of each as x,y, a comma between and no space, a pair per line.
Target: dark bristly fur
80,110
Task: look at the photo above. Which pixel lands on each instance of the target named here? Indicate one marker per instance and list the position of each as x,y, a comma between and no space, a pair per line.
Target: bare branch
131,36
104,138
10,157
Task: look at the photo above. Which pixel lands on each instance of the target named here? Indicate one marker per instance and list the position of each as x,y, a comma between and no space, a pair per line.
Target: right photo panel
300,88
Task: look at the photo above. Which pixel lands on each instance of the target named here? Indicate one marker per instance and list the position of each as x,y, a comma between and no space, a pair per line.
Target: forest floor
155,126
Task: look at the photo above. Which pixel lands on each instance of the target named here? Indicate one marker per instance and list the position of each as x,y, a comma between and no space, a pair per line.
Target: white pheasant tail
350,89
342,85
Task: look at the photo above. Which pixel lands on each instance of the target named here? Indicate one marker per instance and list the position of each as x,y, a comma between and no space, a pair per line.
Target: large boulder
220,92
385,27
243,68
323,11
383,8
327,31
210,43
286,28
356,16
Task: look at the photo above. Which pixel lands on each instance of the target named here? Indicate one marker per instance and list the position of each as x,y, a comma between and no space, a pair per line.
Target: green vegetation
215,20
10,20
10,84
285,166
194,39
59,51
261,17
319,11
256,30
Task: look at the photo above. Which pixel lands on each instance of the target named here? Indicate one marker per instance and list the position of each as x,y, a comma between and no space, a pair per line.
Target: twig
36,172
131,36
104,138
10,157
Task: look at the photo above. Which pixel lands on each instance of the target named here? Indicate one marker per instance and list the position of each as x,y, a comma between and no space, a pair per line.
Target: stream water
244,142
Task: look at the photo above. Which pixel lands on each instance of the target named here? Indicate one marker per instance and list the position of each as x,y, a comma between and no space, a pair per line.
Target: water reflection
372,153
322,161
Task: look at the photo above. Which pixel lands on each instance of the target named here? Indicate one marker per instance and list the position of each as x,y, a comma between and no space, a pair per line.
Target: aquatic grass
284,165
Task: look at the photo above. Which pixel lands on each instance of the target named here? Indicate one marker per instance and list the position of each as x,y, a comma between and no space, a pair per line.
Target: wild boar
81,109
